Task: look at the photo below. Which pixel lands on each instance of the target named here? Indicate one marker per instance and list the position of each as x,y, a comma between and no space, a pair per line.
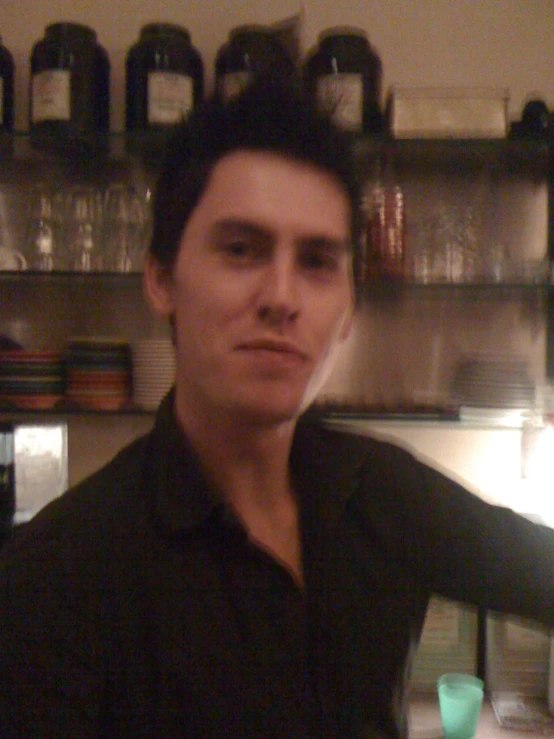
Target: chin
271,413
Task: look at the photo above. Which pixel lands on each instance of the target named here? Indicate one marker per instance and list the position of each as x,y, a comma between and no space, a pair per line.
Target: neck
248,462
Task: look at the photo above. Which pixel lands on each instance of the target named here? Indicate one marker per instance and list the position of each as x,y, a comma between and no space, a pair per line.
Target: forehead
277,191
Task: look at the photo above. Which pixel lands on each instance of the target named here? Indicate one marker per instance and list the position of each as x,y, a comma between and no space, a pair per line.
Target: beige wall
500,43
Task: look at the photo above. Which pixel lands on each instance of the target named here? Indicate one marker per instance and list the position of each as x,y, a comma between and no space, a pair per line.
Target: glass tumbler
44,243
83,230
124,229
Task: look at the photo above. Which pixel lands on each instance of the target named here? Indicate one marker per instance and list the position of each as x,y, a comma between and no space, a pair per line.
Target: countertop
425,723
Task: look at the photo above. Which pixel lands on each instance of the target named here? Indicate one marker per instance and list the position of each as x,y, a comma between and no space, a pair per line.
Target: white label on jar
170,97
1,100
51,95
233,83
342,96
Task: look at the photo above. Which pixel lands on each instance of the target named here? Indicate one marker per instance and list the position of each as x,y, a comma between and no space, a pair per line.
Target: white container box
448,112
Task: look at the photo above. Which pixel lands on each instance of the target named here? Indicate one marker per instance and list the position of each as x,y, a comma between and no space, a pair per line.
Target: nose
279,296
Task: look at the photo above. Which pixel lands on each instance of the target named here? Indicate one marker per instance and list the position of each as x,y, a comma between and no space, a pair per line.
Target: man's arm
458,545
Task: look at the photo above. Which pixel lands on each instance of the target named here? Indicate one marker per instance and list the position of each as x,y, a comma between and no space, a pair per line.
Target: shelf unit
509,182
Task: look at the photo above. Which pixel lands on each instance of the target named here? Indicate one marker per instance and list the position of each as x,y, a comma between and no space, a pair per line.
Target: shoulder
355,466
86,518
355,448
378,474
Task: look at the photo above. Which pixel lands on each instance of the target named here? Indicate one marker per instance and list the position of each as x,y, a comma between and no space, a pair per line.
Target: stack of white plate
153,371
494,382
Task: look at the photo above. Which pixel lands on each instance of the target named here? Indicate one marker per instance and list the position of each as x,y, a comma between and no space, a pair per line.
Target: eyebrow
258,231
238,225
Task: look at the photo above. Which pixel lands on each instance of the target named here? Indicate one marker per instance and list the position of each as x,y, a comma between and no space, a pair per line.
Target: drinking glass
458,239
82,229
44,243
124,228
460,700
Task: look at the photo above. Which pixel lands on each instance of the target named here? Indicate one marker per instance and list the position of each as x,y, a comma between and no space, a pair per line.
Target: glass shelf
510,154
11,413
55,278
91,150
463,291
447,420
374,290
507,155
444,421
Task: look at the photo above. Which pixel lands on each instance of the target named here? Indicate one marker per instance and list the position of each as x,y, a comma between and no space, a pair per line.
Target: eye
237,248
242,251
320,259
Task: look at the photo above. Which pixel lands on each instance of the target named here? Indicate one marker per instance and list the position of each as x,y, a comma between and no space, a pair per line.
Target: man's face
261,290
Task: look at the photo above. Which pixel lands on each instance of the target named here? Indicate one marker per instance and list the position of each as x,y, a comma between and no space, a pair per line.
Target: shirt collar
324,463
182,495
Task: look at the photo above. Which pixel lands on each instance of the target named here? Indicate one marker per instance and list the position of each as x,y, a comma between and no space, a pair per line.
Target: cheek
336,320
205,313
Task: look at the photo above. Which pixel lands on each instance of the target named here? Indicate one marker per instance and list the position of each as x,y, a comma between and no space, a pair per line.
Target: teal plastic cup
460,701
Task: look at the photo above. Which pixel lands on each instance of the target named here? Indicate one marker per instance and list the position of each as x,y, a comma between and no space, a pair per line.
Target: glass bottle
385,223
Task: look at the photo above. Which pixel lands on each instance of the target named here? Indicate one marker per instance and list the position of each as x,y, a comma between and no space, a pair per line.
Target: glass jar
164,78
251,52
343,76
6,89
69,87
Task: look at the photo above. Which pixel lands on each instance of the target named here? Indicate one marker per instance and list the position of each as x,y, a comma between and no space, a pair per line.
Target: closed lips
282,347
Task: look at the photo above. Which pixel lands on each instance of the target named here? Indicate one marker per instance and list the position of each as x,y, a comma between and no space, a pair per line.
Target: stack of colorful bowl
98,374
31,379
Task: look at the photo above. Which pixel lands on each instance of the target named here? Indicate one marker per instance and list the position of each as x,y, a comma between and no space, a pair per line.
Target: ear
159,287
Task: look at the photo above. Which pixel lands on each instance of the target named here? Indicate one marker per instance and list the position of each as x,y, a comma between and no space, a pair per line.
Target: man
241,571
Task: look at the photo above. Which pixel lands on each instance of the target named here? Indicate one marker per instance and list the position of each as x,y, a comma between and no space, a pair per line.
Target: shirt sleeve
51,677
458,545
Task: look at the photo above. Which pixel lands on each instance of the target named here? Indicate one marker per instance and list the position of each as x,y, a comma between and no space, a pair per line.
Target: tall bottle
343,76
385,224
6,89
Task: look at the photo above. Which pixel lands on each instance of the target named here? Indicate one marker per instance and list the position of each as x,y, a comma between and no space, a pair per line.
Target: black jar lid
5,57
69,30
256,40
249,30
172,30
330,37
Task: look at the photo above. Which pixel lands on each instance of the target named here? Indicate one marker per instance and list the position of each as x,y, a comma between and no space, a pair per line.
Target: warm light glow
537,462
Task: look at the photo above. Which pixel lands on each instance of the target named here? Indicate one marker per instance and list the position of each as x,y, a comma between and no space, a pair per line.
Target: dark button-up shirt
136,606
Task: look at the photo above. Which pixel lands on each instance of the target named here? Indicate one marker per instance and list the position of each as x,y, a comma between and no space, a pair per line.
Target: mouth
274,346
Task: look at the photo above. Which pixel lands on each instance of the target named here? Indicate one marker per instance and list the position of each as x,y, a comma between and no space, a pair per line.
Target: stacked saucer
153,371
98,373
31,379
